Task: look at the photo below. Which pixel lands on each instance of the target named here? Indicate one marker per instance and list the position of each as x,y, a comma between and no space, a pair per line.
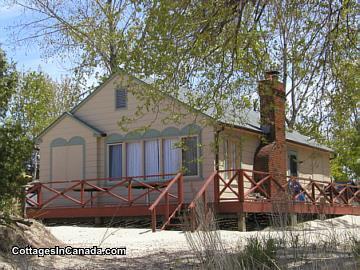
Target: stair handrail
203,189
178,178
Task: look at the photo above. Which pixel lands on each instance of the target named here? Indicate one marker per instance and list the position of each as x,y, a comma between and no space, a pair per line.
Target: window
120,98
152,157
171,155
190,156
133,159
115,160
293,164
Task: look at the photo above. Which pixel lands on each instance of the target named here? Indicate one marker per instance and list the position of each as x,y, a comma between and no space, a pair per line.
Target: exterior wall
100,111
65,131
313,163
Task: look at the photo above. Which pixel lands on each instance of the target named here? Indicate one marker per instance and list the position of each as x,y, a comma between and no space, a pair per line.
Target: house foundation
241,221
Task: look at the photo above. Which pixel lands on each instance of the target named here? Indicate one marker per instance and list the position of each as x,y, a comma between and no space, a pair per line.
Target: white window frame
292,153
161,154
108,158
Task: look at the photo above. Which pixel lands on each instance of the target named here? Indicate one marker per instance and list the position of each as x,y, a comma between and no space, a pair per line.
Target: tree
15,148
211,53
39,100
345,122
93,34
220,47
29,102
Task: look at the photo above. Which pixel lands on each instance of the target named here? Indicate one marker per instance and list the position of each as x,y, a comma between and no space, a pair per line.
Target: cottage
88,143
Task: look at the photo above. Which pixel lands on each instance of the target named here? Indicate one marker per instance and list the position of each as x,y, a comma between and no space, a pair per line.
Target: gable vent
121,98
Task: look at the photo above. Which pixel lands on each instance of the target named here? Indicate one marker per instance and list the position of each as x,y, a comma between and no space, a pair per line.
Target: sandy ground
141,242
167,249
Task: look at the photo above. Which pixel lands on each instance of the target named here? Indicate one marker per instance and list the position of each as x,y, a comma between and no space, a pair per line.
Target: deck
163,195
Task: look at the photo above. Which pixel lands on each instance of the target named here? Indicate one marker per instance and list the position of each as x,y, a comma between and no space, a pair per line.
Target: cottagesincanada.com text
68,250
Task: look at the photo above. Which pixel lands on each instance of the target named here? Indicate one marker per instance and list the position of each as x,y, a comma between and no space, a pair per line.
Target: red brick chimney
271,153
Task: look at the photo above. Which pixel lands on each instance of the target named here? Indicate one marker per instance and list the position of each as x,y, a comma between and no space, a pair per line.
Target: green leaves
29,102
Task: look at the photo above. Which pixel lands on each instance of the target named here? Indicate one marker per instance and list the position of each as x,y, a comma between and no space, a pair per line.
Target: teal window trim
169,132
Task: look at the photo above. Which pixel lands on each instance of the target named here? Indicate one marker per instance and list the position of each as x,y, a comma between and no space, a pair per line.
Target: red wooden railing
121,189
241,186
316,191
311,191
165,195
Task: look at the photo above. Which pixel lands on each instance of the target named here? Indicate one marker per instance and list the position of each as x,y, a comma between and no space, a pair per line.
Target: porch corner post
181,190
216,188
153,220
241,185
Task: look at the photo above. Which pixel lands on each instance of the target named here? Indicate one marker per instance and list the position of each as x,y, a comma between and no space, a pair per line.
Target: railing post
313,191
331,195
153,220
167,210
82,193
130,191
39,196
241,185
216,188
181,190
192,220
347,194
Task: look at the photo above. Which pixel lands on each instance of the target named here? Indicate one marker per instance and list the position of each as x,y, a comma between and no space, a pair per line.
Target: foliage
356,247
345,105
94,35
259,254
29,102
211,53
39,100
15,148
8,82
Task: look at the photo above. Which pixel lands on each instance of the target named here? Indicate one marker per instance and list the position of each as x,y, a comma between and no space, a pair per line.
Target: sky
26,57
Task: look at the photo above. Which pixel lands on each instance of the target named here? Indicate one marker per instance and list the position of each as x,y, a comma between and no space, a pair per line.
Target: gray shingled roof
249,119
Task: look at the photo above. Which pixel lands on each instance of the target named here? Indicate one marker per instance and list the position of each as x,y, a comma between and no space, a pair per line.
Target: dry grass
283,248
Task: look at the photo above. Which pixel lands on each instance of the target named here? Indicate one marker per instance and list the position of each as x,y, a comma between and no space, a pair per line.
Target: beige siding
58,163
74,156
246,144
313,163
67,129
100,112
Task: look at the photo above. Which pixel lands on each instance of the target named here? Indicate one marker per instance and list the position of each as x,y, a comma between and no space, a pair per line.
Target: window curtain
152,157
226,158
234,156
115,160
190,156
133,159
171,156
